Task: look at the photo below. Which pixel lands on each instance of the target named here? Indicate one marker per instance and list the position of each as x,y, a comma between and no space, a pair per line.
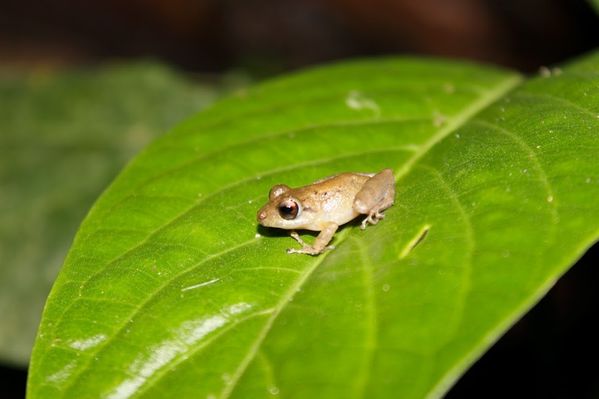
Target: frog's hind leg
377,194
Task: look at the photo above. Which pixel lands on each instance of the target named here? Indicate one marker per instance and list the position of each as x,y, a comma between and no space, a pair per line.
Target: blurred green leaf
64,137
170,290
595,3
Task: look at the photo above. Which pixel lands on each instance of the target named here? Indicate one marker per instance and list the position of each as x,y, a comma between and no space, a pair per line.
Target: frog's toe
304,250
294,251
372,218
364,223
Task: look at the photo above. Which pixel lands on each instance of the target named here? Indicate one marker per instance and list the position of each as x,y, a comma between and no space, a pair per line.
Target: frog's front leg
377,194
319,246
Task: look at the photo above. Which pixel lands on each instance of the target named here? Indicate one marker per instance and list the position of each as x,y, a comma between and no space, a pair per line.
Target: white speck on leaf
357,101
87,343
62,374
192,287
238,308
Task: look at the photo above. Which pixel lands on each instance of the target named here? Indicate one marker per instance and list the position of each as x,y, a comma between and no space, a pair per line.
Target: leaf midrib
209,257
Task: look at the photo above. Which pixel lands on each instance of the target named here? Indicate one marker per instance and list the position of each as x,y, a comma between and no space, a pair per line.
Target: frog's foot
306,248
309,250
373,218
320,245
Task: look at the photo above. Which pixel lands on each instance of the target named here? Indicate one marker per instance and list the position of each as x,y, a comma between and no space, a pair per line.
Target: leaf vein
470,241
556,99
532,155
371,320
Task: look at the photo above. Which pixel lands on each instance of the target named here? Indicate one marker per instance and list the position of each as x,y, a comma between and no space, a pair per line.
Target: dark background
272,36
551,352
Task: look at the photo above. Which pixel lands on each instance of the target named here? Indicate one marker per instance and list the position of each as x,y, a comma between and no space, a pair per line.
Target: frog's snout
261,216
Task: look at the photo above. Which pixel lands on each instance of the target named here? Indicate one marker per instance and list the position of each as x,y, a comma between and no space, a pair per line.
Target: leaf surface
170,289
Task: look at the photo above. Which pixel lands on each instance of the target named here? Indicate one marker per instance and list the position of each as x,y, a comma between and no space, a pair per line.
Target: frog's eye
288,209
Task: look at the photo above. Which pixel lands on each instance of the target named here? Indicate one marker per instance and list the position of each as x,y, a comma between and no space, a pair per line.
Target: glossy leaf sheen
169,291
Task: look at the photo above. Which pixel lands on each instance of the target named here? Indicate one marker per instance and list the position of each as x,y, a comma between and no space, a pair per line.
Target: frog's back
344,176
331,199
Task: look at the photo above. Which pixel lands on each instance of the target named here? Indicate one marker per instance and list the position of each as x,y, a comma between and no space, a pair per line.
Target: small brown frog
326,204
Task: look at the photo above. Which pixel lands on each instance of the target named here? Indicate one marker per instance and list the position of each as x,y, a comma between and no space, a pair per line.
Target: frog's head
282,210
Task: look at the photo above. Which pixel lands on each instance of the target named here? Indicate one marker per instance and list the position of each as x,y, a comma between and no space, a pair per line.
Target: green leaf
64,138
595,3
170,289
